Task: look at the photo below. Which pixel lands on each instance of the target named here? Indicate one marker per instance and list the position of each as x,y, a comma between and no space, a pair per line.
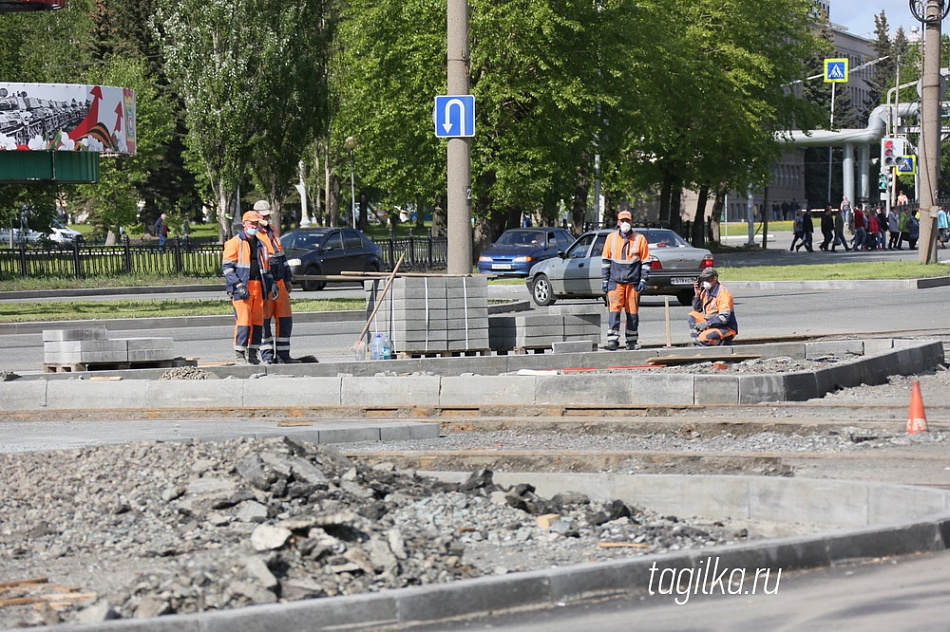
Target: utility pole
459,156
931,16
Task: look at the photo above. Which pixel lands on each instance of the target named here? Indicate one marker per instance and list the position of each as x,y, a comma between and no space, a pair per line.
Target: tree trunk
579,206
666,191
333,199
698,236
716,216
676,203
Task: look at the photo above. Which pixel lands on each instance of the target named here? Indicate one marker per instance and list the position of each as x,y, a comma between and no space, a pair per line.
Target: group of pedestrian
259,282
625,271
871,229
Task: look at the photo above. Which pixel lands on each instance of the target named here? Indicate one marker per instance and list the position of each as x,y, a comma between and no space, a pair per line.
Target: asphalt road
762,313
908,593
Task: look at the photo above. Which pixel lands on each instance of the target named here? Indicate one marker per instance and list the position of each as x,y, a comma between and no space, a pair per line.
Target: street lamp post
351,143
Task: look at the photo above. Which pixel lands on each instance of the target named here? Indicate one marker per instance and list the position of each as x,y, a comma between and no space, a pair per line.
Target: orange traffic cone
917,419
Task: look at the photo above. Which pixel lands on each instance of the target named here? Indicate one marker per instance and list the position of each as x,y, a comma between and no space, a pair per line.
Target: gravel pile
146,529
187,373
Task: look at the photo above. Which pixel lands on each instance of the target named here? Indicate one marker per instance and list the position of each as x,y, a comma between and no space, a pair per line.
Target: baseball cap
708,273
262,207
251,216
624,215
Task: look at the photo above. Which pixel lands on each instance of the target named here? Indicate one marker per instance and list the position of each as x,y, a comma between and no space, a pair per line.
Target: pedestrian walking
827,229
893,229
903,225
713,319
248,279
161,231
913,230
839,222
797,233
808,229
860,229
943,227
275,342
624,272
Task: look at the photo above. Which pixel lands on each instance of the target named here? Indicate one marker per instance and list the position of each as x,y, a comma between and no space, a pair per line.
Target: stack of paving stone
434,314
82,349
562,323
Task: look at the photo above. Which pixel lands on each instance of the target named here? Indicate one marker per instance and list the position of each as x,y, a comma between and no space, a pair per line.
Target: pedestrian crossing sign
907,165
836,71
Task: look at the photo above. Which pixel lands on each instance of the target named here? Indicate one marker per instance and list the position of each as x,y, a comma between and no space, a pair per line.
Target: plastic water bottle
376,349
387,347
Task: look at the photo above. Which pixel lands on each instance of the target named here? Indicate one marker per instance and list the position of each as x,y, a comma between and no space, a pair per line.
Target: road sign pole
929,170
459,155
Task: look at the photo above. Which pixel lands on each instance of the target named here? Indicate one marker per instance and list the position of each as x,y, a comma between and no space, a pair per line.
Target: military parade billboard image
67,117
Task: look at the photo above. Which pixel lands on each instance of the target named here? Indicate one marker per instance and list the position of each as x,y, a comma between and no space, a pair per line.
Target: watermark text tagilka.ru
707,578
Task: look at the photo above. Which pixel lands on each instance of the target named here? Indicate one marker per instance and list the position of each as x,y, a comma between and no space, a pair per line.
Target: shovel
359,348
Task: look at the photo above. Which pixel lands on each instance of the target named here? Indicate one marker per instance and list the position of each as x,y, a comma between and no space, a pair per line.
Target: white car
62,234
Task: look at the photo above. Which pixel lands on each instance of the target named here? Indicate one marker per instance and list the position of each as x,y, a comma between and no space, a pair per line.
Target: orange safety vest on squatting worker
242,269
625,269
716,307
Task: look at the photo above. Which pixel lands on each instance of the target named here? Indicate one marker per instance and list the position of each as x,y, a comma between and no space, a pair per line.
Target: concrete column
459,158
929,171
847,175
864,173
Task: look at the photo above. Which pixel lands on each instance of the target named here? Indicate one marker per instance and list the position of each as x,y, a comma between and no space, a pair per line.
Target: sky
858,15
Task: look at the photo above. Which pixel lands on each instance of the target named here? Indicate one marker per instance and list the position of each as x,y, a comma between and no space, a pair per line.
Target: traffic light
882,182
891,151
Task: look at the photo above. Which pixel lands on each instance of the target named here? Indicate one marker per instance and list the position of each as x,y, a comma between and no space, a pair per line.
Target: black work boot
612,345
632,345
252,357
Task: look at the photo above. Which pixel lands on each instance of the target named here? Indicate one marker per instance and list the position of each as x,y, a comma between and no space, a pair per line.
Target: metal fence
179,257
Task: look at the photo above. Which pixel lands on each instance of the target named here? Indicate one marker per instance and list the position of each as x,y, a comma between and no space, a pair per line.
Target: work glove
604,285
641,286
241,293
274,292
702,326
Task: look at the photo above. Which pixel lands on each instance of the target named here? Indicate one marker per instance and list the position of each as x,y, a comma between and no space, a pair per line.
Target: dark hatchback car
520,248
330,251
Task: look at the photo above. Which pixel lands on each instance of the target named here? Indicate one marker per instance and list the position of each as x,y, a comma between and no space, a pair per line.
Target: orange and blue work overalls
625,263
717,307
277,341
252,270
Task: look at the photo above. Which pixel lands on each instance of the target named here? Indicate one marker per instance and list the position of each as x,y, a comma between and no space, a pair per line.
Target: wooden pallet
455,353
525,350
117,366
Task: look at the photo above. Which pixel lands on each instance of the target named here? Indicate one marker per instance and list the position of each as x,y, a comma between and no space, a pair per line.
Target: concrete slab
196,393
23,395
387,391
297,391
91,333
716,390
500,390
85,394
818,502
408,430
664,389
585,389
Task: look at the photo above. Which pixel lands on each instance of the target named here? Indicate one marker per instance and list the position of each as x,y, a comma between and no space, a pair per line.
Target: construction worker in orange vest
275,346
625,269
247,273
713,319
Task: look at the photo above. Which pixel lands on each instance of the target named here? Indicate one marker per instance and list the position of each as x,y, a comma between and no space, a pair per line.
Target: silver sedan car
575,273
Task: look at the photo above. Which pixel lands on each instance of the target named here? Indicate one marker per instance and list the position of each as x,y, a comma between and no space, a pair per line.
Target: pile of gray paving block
563,323
434,313
82,347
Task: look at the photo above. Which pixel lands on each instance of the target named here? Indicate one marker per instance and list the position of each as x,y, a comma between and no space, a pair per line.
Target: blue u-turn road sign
454,116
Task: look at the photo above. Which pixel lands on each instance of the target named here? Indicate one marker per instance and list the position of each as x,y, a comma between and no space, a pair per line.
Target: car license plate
506,266
682,281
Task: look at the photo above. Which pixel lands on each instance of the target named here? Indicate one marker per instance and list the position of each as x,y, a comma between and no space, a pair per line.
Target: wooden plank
21,582
730,357
622,545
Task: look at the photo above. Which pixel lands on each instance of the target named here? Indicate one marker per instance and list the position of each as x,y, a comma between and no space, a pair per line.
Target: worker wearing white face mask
713,319
247,275
625,269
